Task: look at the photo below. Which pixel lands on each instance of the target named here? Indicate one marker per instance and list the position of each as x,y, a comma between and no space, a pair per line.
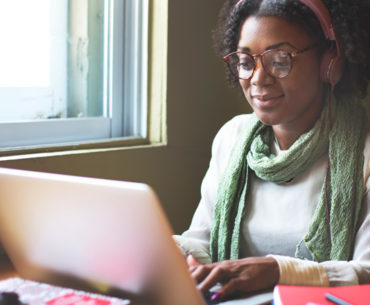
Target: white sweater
277,218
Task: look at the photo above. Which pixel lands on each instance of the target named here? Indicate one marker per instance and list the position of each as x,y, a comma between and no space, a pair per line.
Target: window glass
72,70
51,59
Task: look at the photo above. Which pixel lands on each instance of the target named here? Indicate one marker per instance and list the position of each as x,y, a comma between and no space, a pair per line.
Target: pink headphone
333,61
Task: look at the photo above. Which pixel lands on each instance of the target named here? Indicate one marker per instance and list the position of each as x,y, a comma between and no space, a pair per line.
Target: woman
285,199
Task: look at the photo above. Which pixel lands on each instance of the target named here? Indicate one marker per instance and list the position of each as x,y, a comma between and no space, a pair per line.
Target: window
72,71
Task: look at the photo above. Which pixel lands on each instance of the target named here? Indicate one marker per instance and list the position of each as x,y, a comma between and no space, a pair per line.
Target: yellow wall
198,103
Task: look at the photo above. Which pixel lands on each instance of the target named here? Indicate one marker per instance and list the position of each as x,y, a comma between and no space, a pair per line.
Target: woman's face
295,101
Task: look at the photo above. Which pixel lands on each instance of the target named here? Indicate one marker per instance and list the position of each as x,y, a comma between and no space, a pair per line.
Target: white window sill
65,149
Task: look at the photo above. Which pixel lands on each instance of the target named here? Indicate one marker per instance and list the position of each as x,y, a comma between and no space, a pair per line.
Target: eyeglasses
277,63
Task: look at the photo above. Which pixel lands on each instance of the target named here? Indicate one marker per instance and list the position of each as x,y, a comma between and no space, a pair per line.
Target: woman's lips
266,100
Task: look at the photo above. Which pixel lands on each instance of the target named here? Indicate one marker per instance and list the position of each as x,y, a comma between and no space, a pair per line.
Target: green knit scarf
343,142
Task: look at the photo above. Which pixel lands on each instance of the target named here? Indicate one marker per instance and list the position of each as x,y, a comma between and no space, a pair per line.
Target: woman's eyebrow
273,46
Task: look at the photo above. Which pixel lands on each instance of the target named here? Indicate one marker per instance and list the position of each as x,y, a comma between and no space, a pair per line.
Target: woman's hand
238,277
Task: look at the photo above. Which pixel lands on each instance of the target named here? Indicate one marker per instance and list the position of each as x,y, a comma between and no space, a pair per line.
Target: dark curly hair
350,19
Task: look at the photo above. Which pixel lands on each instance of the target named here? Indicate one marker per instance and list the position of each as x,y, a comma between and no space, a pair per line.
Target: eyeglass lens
276,63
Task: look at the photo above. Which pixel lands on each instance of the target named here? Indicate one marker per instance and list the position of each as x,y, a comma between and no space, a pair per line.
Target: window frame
125,120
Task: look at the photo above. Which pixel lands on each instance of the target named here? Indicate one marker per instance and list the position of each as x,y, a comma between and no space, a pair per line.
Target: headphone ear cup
331,67
327,64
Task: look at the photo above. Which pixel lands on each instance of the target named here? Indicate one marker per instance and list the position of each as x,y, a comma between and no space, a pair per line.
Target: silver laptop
98,235
103,236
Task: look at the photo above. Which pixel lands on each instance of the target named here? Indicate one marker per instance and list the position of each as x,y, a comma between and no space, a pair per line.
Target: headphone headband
322,14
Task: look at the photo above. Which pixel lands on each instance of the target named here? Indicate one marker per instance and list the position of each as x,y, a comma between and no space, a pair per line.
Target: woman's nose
260,76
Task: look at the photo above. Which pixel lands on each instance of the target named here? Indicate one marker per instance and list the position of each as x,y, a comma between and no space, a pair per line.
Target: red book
302,295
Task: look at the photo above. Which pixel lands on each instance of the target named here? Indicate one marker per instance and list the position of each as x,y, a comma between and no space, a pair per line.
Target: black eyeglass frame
292,55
